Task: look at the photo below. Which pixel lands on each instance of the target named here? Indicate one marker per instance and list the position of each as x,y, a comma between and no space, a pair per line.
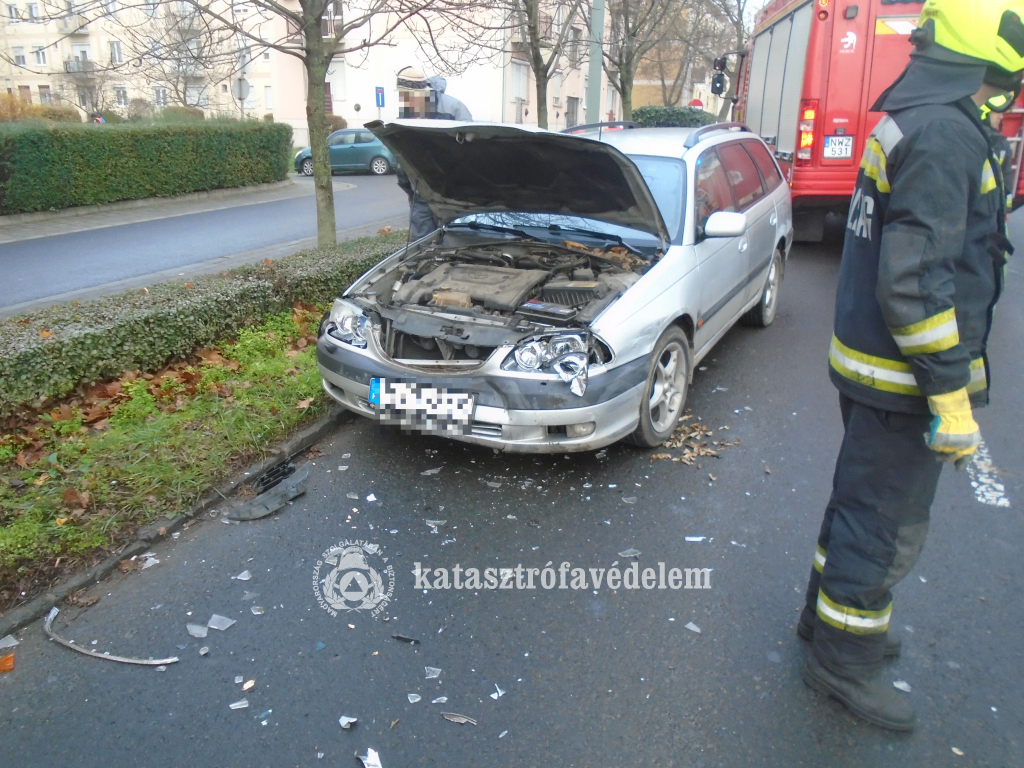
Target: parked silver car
573,287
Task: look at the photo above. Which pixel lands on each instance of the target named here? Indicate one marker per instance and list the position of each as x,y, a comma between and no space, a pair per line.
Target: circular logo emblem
345,578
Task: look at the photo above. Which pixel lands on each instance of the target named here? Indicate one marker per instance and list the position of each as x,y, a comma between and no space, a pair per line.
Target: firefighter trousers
874,529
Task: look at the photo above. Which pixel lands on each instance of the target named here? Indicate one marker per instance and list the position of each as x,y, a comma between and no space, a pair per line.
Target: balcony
73,24
79,67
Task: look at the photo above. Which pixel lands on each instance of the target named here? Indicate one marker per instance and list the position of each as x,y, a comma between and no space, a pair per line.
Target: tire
379,166
762,314
663,405
306,169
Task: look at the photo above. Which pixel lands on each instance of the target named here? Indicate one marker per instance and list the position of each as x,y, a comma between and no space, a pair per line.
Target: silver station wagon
572,288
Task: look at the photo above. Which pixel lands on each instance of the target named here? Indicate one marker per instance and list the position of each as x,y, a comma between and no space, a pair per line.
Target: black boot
805,630
874,699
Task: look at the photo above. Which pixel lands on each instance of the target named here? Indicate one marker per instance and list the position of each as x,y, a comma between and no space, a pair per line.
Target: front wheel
762,314
379,166
665,392
307,167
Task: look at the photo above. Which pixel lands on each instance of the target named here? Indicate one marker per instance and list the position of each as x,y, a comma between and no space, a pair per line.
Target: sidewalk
29,226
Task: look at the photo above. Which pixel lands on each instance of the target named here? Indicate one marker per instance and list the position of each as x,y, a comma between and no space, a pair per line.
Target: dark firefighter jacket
922,261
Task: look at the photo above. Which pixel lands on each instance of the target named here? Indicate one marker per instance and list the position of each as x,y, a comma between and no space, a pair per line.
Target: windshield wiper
492,228
599,235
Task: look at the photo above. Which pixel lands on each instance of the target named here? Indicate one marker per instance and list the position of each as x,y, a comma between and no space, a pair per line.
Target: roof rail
695,137
617,125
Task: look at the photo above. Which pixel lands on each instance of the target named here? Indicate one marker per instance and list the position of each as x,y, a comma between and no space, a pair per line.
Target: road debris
7,663
404,639
239,679
692,627
240,704
371,497
80,600
256,610
629,499
267,503
737,544
203,651
413,697
261,715
347,722
220,622
243,576
371,759
498,693
502,734
629,552
149,561
47,628
454,717
354,496
695,538
432,672
8,642
957,751
440,700
197,630
774,658
903,685
249,684
432,471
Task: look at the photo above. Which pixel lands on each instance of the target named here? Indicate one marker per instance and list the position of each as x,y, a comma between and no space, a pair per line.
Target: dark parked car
352,149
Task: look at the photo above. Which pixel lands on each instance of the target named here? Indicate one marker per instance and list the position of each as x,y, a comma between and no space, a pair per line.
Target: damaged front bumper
518,412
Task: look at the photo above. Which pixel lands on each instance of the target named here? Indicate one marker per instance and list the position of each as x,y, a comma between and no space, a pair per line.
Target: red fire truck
810,73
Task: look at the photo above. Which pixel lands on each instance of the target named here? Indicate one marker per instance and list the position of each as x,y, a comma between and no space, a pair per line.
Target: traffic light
718,83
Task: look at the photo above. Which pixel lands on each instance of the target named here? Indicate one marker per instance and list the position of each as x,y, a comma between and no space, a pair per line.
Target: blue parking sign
380,97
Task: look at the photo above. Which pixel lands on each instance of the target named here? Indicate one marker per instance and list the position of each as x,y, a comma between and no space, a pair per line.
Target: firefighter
992,119
921,270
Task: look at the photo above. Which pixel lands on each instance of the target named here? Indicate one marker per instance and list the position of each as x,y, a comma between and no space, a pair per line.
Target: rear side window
743,175
765,164
712,191
365,137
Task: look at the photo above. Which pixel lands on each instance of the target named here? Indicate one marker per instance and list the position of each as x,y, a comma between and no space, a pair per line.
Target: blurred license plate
838,147
417,407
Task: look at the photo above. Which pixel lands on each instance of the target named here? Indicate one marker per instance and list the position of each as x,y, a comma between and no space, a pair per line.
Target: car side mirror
725,224
718,83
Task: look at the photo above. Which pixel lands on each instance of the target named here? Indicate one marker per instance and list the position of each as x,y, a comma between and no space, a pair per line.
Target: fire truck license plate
838,147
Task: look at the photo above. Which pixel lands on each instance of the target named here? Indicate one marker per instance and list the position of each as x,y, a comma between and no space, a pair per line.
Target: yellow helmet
985,30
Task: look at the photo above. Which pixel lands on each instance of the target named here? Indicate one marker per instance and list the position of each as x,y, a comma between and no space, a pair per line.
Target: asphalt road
590,679
65,263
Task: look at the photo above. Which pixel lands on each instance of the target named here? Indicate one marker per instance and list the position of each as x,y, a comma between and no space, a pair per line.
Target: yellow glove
954,432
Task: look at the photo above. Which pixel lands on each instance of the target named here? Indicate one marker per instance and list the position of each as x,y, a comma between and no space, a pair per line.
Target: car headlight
346,322
566,354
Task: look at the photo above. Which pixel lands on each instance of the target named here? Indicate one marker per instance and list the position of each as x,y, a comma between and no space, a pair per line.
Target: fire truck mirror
851,11
718,83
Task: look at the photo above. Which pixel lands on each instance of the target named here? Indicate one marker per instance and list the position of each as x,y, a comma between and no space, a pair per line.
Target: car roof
662,142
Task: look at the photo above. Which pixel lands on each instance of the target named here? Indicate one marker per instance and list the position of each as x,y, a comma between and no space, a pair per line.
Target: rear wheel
763,312
307,167
379,166
665,393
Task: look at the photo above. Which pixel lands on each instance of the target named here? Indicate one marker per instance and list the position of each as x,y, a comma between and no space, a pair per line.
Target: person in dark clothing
1001,149
422,97
920,274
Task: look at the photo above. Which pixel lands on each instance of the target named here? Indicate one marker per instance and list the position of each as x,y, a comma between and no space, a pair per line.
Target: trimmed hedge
672,117
58,348
48,168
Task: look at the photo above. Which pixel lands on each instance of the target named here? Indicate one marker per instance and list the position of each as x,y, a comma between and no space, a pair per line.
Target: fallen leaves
82,600
76,499
127,566
45,335
304,404
690,436
384,230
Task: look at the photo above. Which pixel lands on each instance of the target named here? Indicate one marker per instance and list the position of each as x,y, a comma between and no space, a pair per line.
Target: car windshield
665,178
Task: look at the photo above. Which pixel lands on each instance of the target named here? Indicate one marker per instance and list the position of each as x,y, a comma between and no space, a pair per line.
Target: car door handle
743,245
772,219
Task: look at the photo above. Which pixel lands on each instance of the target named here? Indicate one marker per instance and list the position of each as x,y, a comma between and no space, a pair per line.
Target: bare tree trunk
542,100
316,119
626,85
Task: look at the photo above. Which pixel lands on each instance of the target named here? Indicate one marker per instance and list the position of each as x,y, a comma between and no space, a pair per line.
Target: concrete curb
150,534
122,205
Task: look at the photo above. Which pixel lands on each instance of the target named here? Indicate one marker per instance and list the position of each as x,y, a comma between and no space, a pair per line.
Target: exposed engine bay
453,304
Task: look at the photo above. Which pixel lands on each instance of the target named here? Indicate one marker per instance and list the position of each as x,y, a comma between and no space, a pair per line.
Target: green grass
159,453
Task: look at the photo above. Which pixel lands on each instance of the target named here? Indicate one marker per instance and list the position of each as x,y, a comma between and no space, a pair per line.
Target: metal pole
596,56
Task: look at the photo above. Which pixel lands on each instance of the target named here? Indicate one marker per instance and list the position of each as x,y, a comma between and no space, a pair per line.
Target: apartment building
109,64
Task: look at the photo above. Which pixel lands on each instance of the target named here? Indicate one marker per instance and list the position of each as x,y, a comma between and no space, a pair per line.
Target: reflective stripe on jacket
922,261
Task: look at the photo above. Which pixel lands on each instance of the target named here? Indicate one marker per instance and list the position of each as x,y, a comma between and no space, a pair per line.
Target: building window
83,99
613,102
19,55
150,9
25,93
110,8
160,97
120,96
556,89
115,52
266,55
224,88
44,95
520,81
40,55
268,97
33,11
12,14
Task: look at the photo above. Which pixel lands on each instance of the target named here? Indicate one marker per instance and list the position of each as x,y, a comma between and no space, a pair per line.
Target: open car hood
463,168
